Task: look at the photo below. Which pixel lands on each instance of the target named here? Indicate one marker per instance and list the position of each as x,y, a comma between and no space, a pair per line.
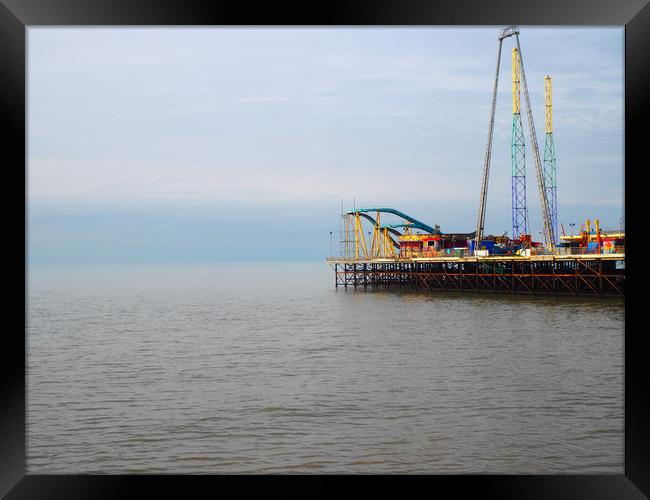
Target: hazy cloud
251,117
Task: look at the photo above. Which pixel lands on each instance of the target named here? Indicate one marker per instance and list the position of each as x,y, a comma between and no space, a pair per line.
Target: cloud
309,116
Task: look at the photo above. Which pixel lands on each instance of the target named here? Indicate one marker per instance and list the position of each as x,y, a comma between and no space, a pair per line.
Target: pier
595,274
404,251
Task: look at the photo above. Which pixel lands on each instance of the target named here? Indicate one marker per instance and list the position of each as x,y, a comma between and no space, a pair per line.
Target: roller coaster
383,243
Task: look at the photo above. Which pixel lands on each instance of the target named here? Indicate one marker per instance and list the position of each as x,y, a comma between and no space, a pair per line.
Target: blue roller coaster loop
414,222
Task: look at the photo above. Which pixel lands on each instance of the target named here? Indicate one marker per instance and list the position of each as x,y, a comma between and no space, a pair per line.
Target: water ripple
269,369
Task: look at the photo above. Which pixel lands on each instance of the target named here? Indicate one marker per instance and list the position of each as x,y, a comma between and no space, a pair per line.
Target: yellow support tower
518,154
375,248
388,244
548,93
550,174
516,82
359,239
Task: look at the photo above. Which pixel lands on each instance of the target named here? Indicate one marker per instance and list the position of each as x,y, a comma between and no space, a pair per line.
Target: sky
153,145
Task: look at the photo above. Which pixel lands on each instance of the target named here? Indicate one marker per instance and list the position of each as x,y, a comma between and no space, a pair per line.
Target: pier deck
589,274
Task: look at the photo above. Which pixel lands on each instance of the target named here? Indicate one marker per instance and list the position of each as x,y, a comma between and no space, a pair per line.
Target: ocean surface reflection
267,368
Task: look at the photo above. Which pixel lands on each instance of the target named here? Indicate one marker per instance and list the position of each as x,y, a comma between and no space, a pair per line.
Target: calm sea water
267,368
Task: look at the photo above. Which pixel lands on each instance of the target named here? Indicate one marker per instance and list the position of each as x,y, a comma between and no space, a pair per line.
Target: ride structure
549,238
406,252
550,173
386,239
518,155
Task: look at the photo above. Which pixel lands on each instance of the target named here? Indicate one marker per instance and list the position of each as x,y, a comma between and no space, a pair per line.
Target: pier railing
619,249
451,253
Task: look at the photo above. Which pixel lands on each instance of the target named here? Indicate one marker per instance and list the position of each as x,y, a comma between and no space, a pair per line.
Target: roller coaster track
414,223
410,222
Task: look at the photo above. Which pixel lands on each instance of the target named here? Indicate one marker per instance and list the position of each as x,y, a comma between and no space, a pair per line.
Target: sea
268,368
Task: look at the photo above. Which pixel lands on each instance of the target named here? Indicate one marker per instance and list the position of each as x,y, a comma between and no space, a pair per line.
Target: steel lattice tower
550,175
549,237
518,156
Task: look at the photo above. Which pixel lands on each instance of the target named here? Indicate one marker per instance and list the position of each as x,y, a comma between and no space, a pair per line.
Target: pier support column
554,264
600,276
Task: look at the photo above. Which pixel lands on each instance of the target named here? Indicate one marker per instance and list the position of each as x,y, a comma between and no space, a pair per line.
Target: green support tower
550,174
518,156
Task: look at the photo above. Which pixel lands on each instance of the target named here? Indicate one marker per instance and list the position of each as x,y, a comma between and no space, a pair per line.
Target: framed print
251,248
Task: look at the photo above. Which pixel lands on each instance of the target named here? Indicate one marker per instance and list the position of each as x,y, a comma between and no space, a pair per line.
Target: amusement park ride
388,242
410,253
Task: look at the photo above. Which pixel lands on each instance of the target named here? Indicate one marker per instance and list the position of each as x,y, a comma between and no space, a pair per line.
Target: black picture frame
17,15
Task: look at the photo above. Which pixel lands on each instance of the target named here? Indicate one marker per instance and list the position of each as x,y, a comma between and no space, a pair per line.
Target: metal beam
488,149
541,185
